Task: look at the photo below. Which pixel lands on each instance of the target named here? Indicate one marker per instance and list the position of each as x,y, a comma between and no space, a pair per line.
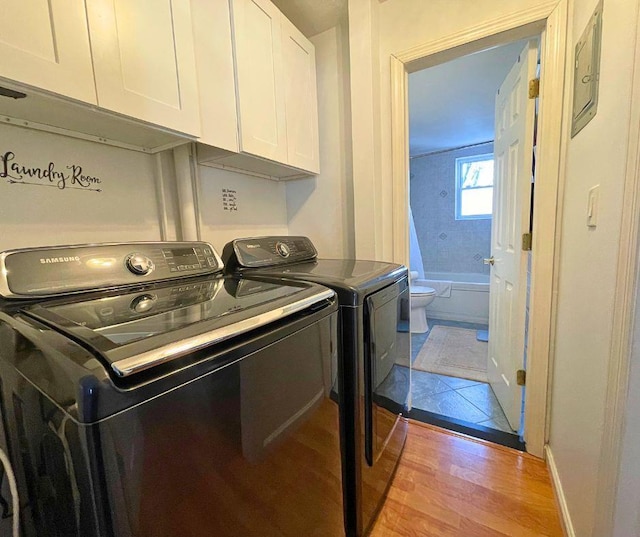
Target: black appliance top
99,328
351,279
135,331
99,353
294,258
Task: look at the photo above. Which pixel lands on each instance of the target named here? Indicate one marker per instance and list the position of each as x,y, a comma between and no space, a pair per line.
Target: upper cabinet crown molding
274,126
45,44
143,59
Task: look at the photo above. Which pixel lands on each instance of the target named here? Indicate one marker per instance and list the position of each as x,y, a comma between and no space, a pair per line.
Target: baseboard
460,317
565,517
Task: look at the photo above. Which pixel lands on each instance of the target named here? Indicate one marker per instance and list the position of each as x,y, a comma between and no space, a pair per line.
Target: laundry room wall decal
71,176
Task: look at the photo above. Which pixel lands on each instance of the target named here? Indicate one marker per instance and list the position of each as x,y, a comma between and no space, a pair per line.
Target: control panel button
143,303
282,249
139,264
207,251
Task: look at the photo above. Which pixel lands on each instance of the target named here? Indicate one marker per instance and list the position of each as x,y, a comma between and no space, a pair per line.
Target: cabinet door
144,60
301,94
216,76
260,79
45,43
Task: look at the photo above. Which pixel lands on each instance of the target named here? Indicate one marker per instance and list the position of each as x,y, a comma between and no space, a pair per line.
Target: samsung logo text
46,260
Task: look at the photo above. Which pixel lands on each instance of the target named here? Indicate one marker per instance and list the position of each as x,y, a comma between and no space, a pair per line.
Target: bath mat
455,352
482,335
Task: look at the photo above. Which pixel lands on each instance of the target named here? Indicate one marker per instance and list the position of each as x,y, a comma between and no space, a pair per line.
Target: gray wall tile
434,215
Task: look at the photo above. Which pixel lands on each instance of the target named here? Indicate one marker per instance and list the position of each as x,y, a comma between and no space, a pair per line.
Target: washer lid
133,332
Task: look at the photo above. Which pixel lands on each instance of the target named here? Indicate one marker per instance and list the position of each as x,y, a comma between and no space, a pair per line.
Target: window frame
458,184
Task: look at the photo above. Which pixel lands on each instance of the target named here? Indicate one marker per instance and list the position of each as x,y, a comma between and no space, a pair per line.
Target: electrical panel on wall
587,73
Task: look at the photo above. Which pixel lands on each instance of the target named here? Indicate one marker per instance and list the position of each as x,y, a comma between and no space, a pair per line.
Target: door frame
549,19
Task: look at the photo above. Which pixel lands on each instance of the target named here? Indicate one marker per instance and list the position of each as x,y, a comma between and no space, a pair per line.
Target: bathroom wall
57,190
235,205
446,244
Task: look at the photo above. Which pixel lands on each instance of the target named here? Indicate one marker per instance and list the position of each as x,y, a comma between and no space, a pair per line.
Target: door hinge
534,88
527,240
521,377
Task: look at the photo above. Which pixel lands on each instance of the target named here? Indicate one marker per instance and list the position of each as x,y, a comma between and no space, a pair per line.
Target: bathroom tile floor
462,399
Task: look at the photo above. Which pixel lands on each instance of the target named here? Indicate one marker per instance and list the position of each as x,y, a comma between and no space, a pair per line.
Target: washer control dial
139,264
282,249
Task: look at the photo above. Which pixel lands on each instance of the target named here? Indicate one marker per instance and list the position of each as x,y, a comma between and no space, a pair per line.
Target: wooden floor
450,485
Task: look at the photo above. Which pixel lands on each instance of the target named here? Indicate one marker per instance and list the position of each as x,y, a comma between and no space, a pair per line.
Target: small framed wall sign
587,73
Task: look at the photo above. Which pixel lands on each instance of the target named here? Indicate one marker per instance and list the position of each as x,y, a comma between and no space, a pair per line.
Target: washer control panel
269,251
41,272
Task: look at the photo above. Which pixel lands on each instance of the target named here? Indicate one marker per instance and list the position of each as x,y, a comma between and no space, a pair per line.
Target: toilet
421,297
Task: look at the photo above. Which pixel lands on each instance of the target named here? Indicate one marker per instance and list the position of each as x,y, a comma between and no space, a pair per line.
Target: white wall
322,207
587,258
365,128
261,207
125,210
627,514
390,27
597,155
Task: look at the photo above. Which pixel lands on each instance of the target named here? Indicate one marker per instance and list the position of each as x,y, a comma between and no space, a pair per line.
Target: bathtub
469,300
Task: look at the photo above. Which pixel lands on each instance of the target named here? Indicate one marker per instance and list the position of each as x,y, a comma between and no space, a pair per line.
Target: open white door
513,151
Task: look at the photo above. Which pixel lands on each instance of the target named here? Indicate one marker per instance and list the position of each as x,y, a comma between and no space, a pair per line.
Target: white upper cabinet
260,88
257,85
45,43
301,99
216,77
144,61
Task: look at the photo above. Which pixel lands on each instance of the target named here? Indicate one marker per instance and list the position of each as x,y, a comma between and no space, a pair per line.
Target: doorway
459,219
549,21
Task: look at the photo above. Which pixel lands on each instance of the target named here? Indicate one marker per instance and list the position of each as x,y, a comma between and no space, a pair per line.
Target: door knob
489,261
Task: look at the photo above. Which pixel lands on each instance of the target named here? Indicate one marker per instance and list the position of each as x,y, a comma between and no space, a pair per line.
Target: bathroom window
474,187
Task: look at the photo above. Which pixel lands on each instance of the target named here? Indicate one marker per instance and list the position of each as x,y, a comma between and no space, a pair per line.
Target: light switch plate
592,206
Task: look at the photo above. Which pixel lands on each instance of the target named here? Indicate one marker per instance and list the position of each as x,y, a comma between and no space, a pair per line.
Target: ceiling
312,17
451,105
